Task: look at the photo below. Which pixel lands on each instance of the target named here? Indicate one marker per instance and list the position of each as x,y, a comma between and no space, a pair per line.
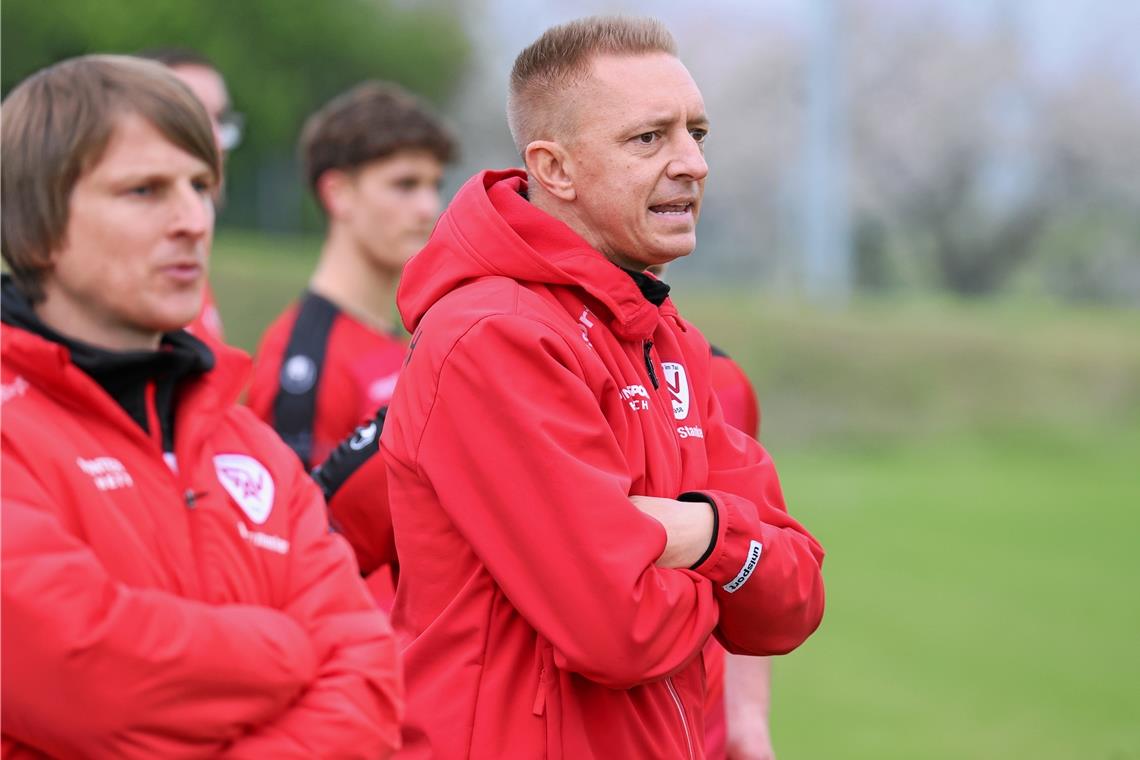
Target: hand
756,747
688,528
747,693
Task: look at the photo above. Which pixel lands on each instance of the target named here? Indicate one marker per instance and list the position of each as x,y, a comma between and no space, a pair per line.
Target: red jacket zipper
681,712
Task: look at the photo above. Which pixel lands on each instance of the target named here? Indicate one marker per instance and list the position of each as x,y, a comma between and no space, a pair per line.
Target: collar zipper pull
648,344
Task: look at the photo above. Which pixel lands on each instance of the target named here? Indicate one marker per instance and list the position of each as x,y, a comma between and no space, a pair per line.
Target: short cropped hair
561,59
371,121
56,126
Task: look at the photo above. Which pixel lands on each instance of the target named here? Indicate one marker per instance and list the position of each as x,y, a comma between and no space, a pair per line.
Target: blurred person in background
170,585
198,73
739,687
374,158
573,516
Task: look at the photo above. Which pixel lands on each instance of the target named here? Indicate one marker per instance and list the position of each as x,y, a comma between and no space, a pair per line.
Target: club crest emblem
248,482
678,385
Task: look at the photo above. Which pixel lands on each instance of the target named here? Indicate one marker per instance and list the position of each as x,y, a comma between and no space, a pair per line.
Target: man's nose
193,212
689,161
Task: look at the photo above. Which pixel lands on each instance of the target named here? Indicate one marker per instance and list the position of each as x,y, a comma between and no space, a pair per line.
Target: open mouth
672,209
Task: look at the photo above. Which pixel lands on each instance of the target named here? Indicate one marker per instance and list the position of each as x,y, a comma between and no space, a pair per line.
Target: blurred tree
1090,125
971,169
958,143
281,59
943,146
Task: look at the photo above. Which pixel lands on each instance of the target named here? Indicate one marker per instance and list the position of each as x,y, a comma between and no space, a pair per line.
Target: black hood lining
124,375
654,290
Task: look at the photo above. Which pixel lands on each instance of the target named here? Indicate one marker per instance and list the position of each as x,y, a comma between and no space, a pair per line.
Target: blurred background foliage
281,60
964,165
961,430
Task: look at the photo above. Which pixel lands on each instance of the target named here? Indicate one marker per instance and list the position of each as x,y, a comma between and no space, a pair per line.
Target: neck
359,287
567,214
59,315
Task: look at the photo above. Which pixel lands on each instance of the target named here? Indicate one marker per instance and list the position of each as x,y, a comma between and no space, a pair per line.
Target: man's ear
548,163
333,191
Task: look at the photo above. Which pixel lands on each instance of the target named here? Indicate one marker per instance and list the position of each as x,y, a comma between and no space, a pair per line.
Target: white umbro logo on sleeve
248,482
754,551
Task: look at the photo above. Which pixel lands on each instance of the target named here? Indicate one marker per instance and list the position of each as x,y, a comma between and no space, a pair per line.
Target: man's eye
647,138
407,185
699,134
141,191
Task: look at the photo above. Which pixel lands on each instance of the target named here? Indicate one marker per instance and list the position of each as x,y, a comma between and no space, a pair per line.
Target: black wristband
697,496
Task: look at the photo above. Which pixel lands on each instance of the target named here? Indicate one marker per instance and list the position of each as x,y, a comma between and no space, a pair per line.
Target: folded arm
94,667
766,568
352,707
529,471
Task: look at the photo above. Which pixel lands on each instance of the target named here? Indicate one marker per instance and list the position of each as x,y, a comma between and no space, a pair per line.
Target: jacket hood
491,229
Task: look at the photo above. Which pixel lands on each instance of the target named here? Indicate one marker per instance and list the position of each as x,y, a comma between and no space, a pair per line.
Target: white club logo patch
248,482
678,388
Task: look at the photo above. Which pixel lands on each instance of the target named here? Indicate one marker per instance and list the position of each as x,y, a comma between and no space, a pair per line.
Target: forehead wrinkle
662,119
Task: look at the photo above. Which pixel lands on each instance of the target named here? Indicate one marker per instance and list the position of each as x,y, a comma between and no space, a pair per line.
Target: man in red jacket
170,585
572,514
354,483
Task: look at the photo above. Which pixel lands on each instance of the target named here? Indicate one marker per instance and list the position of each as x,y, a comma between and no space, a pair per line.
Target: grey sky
1059,33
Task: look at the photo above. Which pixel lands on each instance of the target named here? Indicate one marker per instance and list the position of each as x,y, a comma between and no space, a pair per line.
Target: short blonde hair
56,125
560,59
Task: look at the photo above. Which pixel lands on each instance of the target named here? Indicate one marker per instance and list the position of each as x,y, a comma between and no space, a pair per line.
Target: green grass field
980,600
974,473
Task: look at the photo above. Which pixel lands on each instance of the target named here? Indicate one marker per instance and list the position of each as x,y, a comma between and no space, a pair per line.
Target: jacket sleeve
355,485
352,708
95,668
528,469
765,567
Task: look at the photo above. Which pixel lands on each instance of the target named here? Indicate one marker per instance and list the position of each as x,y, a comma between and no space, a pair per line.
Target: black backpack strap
294,409
352,454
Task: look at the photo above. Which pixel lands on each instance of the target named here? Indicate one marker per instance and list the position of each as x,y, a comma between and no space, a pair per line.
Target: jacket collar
83,376
491,229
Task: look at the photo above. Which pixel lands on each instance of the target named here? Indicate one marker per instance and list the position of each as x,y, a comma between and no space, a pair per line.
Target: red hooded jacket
175,610
541,391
